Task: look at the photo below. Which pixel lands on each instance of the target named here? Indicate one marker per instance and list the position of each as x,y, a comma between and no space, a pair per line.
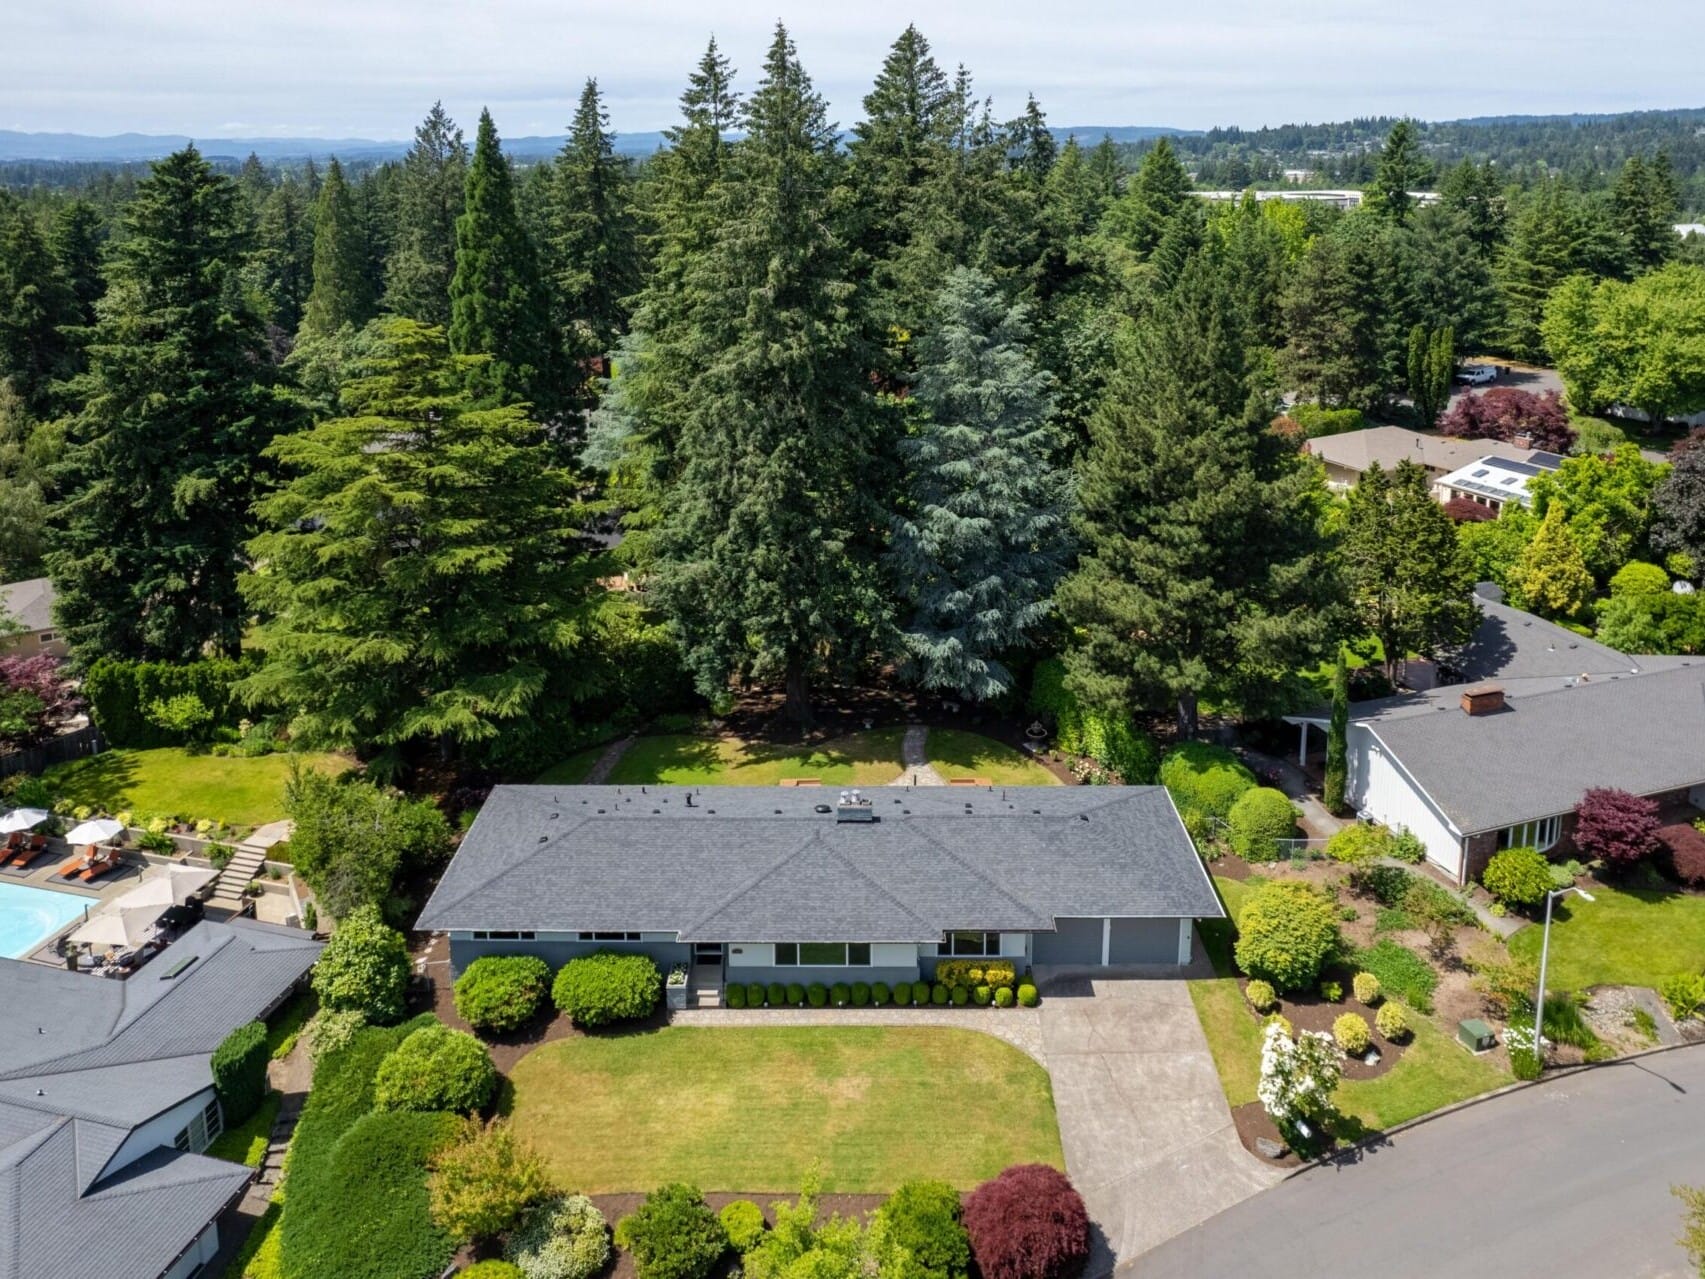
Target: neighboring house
30,604
1537,716
760,884
1496,481
1349,455
106,1101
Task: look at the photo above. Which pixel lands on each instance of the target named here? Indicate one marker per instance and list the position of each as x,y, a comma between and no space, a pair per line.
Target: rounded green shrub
435,1068
1639,578
1351,1032
1204,779
920,993
1518,876
743,1223
983,995
1366,987
1028,996
1260,995
1260,818
606,987
860,994
960,996
776,994
796,994
239,1071
1360,844
902,994
939,994
501,993
922,1217
673,1234
817,994
1391,1021
492,1269
1282,1022
880,994
563,1238
755,993
840,994
737,996
364,968
1332,991
1003,997
1285,932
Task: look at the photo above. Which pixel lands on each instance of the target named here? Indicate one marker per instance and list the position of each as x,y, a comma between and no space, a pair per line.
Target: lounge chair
76,865
14,842
104,860
27,853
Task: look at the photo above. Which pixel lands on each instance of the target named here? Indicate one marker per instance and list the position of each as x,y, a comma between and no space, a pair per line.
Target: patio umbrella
176,886
96,832
118,927
23,819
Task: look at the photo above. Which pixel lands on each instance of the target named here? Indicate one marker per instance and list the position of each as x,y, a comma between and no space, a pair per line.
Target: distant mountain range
124,147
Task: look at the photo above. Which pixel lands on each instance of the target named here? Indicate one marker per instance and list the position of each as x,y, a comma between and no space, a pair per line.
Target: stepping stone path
915,758
600,772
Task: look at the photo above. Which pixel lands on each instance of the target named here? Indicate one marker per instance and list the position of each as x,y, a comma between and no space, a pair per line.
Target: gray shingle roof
1643,733
84,1061
760,864
1510,644
31,603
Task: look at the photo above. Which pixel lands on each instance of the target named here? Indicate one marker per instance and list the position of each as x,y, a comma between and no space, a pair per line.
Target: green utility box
1475,1035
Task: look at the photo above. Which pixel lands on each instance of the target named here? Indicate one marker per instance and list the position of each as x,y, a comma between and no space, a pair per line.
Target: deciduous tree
1507,414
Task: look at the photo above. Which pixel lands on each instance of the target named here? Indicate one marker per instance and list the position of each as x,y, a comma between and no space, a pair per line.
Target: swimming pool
29,916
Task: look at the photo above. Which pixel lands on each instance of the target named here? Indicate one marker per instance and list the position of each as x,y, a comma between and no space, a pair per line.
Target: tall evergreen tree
983,536
425,580
283,264
767,566
1157,191
1541,252
1474,193
1205,571
498,302
77,240
1409,581
33,302
1338,738
28,450
1401,170
341,293
1432,364
429,200
1645,206
593,250
163,462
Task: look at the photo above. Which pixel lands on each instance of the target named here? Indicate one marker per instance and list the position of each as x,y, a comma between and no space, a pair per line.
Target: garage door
1144,941
1073,941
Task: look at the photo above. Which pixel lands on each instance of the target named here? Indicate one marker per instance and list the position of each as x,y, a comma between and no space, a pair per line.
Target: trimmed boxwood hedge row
356,1206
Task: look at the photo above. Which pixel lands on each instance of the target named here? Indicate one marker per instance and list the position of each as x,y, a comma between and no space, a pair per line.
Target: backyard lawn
572,771
960,754
1623,938
173,782
754,1108
681,759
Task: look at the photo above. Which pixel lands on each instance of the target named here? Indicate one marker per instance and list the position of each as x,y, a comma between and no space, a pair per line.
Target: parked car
1477,374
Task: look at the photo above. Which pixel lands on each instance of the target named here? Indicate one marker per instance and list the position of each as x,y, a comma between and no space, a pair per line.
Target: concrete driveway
1148,1138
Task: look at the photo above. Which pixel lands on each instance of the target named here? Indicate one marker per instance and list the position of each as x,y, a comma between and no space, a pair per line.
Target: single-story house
1536,716
756,884
1494,481
1347,456
107,1101
30,605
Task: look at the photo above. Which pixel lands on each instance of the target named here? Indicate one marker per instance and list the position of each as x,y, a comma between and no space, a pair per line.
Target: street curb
1562,1072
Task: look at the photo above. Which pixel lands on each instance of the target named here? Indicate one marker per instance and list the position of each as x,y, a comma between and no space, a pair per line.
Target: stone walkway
600,772
291,1077
914,755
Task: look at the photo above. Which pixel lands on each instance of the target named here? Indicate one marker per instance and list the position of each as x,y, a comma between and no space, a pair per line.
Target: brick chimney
1522,441
1482,699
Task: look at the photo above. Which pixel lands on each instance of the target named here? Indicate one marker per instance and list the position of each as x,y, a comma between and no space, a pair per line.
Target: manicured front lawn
1624,937
571,771
956,753
859,759
1434,1071
1234,1037
754,1108
171,782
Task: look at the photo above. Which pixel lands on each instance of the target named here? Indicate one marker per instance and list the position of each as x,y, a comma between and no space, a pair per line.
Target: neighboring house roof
84,1061
758,864
1388,445
31,603
1535,758
1502,478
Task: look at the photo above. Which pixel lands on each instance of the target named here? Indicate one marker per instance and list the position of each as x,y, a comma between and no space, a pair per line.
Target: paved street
1569,1180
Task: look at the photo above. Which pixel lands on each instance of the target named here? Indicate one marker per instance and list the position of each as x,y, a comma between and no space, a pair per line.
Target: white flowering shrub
1298,1077
1524,1058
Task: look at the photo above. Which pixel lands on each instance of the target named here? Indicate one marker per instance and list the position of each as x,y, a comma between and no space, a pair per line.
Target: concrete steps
245,865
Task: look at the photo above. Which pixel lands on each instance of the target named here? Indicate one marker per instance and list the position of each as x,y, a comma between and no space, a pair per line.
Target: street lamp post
1544,954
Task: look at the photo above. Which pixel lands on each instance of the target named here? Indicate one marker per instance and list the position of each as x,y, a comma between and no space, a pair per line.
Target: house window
822,954
609,936
494,935
1542,834
47,637
977,945
201,1131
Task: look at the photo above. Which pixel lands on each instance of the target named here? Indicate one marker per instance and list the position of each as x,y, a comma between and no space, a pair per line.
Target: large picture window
609,936
1541,834
202,1130
823,954
973,945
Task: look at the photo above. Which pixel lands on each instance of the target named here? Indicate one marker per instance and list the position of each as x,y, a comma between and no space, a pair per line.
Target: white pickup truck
1477,374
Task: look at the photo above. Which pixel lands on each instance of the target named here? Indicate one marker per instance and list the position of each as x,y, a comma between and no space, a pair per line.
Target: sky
371,68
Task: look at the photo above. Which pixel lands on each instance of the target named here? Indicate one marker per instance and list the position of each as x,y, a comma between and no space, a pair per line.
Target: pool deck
40,875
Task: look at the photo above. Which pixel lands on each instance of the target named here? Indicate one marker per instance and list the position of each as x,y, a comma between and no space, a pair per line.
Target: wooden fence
57,750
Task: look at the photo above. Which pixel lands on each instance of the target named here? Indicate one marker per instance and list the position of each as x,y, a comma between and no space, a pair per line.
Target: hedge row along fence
880,994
